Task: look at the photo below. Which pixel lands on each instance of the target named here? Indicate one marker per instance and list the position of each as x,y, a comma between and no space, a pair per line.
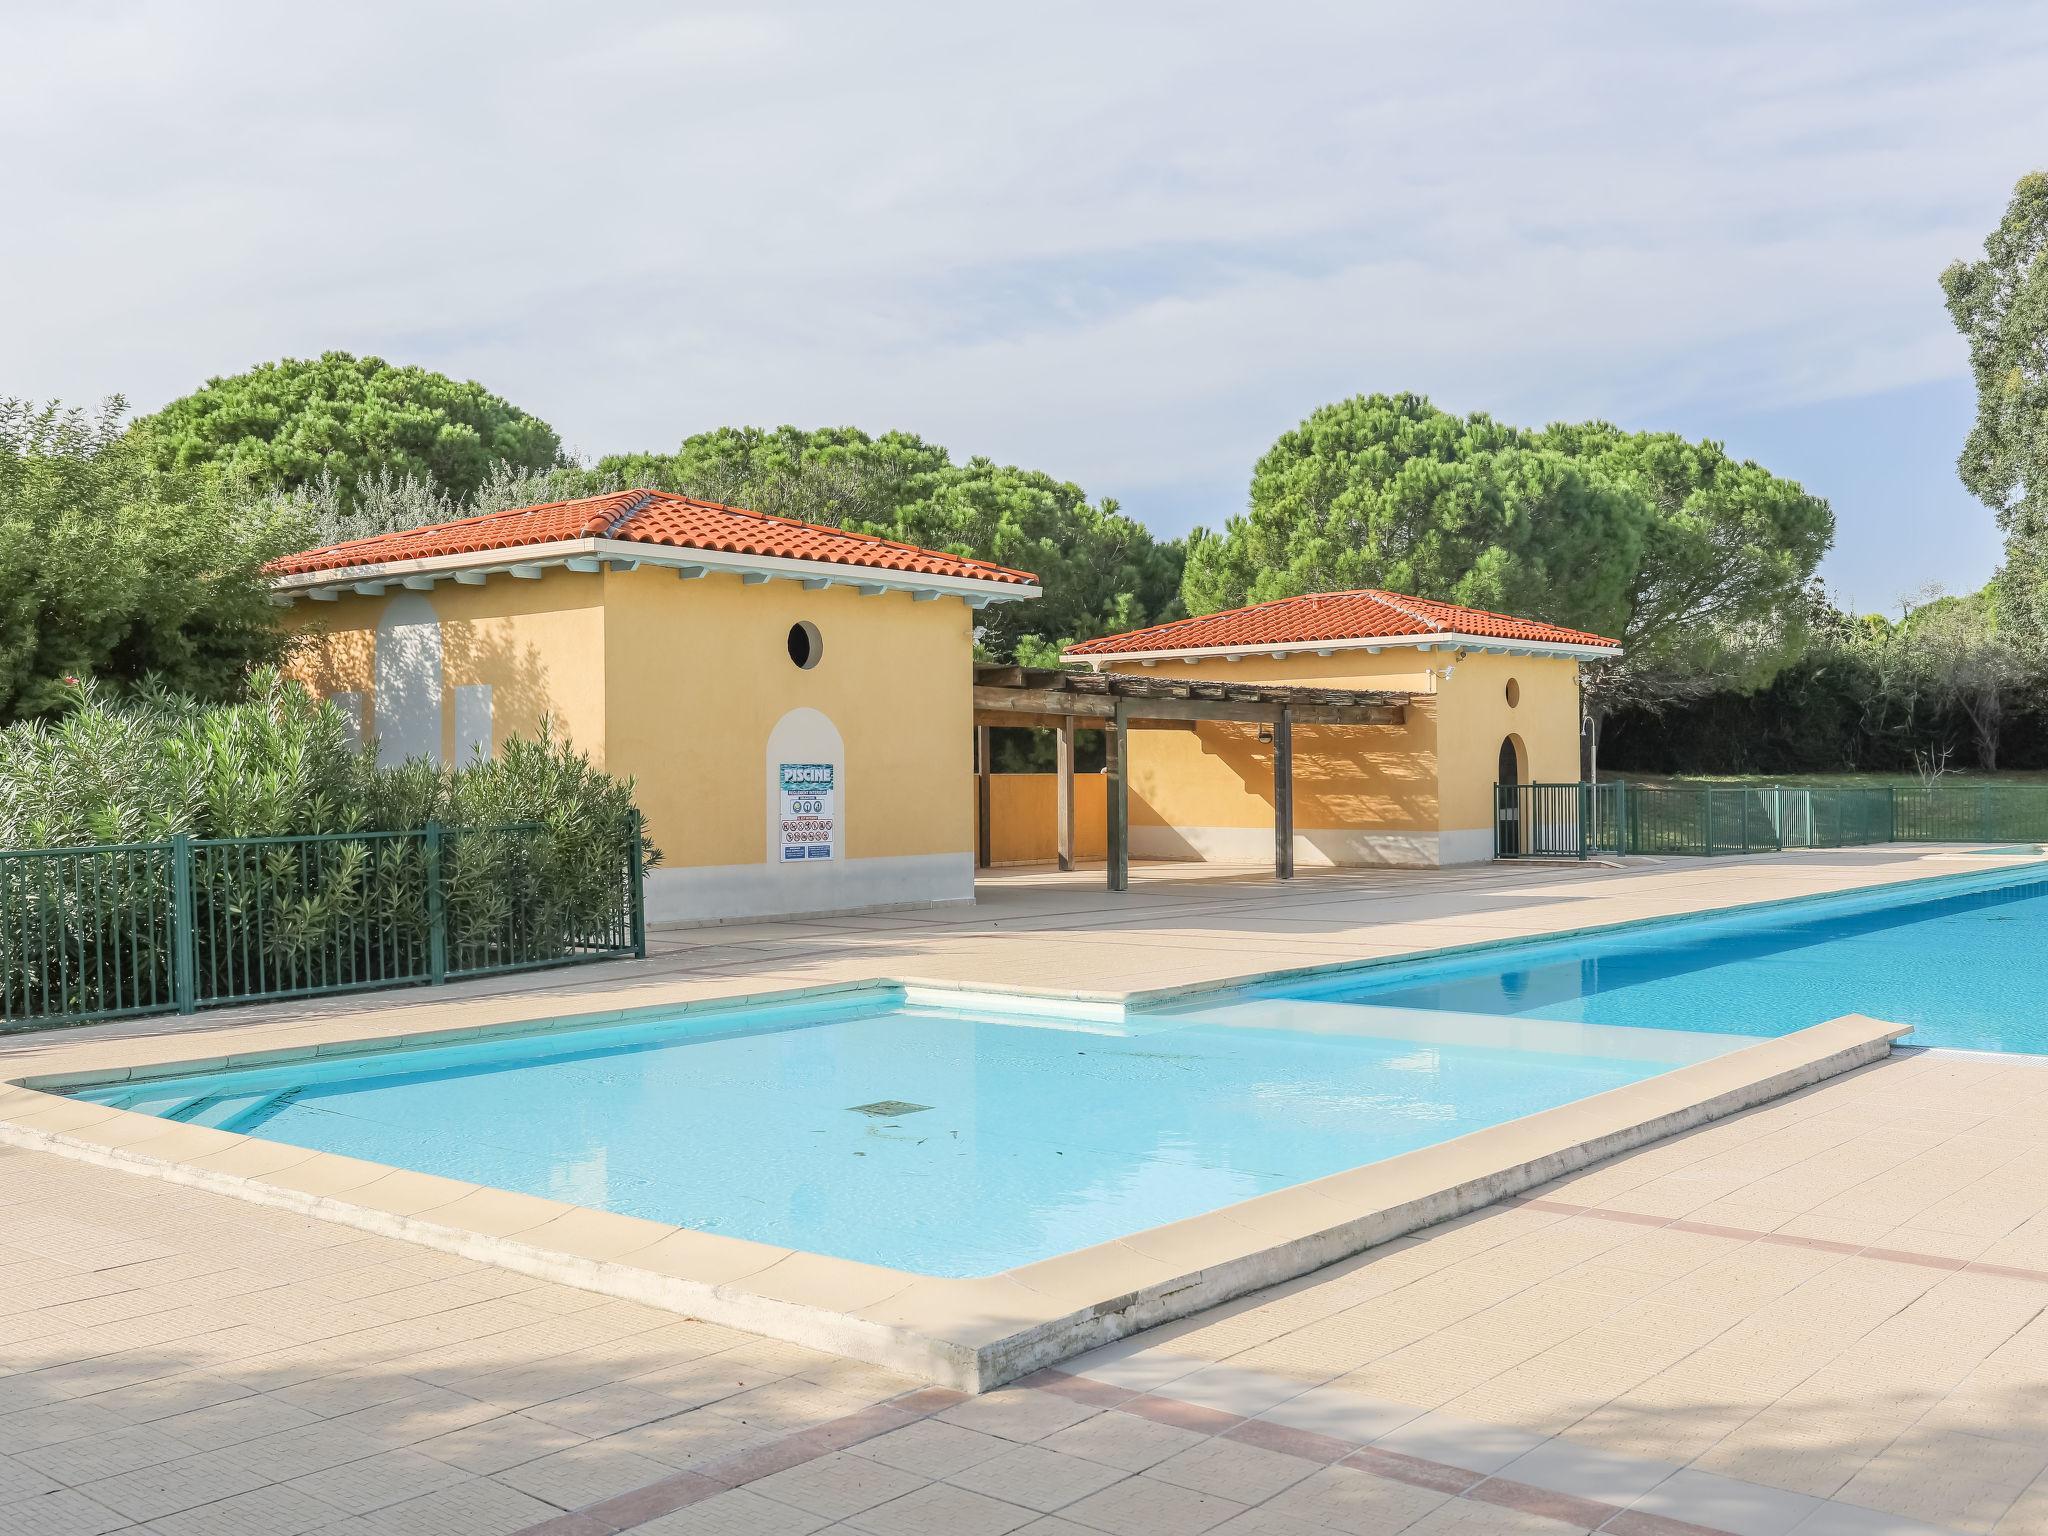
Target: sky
1127,244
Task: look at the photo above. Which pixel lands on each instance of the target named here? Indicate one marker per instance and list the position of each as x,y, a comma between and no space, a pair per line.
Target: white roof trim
502,561
1439,640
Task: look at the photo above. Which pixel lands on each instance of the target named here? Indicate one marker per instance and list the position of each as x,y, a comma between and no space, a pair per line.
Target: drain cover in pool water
888,1109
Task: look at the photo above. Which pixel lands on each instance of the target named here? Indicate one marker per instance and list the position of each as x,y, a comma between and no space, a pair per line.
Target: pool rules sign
806,811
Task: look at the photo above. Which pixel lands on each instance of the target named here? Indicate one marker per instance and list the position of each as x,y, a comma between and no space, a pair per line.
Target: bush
113,568
310,870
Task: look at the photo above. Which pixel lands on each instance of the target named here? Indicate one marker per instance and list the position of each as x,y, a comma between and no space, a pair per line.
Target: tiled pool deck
1823,1315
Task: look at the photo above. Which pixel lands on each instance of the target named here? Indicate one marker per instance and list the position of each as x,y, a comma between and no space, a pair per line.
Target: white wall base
1331,847
732,893
1470,846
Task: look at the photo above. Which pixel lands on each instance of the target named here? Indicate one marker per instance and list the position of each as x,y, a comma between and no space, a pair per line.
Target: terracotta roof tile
1363,615
645,517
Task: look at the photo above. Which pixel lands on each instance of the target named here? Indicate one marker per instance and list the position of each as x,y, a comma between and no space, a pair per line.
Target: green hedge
156,853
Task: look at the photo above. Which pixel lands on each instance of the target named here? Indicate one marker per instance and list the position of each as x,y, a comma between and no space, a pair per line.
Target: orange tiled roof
644,517
1364,615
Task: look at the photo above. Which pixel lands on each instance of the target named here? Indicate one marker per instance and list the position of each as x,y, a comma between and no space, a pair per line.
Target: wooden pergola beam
1096,712
1019,720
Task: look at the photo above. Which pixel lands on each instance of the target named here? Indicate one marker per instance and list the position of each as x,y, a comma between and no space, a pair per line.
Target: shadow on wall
1392,788
427,682
522,690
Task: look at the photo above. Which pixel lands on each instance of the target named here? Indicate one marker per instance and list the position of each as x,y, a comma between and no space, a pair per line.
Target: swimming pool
937,1140
1960,960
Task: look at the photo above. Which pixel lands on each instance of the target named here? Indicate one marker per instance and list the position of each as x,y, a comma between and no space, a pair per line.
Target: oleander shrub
310,867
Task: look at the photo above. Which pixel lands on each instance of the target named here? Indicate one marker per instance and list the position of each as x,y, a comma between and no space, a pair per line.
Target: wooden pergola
1116,703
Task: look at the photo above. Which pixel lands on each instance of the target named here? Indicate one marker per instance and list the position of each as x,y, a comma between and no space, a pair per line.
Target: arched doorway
1507,811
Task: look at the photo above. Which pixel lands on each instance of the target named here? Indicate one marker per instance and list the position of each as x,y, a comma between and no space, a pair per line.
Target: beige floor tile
933,1449
1038,1478
1121,1440
604,1410
584,1474
837,1485
1017,1413
1345,1499
279,1510
62,1513
736,1512
174,1486
940,1509
481,1507
1232,1470
389,1477
1141,1506
506,1440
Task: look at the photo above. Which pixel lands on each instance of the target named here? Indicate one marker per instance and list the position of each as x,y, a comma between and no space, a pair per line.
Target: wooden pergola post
1063,744
1050,698
1283,794
1116,765
981,797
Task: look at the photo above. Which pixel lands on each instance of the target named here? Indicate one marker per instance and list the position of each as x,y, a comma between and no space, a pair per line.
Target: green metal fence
105,932
1717,820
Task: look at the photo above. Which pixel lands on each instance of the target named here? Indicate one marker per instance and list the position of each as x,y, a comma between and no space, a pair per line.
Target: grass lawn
1905,780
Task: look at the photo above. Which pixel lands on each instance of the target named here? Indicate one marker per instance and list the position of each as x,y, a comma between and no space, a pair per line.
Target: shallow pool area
937,1140
1959,959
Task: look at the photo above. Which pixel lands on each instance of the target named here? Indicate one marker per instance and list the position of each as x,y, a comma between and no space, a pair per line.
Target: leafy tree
1718,596
2000,305
112,567
1695,561
1101,571
1965,667
286,424
1389,491
838,476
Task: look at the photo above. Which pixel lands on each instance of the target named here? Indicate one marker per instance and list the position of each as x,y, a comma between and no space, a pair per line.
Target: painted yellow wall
1433,774
1024,817
678,684
1474,714
697,673
539,644
1221,775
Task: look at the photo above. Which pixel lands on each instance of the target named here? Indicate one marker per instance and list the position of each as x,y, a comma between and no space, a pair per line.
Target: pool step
229,1111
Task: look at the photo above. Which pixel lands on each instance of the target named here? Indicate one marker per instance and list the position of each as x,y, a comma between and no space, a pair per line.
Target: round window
1514,691
806,646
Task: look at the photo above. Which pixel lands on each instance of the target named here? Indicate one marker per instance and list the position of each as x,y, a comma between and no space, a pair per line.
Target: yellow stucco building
797,704
1492,698
792,701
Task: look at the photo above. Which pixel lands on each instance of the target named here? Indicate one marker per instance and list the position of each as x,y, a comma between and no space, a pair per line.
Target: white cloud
1127,244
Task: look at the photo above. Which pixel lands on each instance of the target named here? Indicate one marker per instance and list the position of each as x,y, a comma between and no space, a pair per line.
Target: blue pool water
1962,962
1036,1136
957,1143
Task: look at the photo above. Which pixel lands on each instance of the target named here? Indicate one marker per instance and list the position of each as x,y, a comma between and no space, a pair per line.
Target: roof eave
1436,640
977,591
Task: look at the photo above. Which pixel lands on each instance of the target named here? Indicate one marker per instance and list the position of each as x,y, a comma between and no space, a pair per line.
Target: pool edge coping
974,1333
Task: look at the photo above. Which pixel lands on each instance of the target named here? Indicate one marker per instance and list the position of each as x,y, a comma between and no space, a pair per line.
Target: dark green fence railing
106,932
1550,821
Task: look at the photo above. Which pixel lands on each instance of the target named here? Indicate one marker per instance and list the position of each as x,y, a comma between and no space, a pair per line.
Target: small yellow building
1492,699
793,701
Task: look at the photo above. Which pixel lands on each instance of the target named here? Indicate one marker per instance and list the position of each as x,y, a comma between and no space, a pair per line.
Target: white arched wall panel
781,887
803,738
408,699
